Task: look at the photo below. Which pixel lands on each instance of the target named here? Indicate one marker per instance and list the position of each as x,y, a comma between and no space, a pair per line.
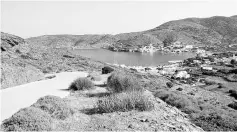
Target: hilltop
216,31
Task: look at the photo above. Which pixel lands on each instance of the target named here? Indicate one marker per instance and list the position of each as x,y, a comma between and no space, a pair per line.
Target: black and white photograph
118,65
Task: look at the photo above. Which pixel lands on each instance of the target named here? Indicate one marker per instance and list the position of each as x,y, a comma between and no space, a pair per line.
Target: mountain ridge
213,31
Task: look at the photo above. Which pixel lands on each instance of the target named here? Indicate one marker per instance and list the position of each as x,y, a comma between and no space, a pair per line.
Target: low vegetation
119,82
215,122
55,106
28,119
180,101
81,84
125,101
205,115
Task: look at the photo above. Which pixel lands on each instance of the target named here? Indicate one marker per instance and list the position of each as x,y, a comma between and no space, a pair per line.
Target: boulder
106,70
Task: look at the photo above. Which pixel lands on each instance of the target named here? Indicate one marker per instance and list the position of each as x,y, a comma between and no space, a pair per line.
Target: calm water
132,58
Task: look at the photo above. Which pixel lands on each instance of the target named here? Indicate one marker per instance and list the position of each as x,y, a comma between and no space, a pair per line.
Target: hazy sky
28,19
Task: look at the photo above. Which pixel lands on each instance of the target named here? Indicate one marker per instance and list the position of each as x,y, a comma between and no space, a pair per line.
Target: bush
233,93
55,106
81,84
182,102
125,101
119,82
28,119
233,105
106,70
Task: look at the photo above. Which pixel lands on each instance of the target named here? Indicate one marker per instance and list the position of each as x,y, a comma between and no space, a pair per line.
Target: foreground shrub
81,84
125,102
180,101
28,119
55,106
119,82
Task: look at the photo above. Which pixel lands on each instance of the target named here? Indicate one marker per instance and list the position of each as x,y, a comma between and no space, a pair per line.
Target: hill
24,62
217,31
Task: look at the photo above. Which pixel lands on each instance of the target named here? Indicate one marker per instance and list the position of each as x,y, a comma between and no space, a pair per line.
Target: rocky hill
217,31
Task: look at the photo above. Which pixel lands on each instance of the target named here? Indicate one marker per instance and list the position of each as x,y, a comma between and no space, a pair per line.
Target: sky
30,18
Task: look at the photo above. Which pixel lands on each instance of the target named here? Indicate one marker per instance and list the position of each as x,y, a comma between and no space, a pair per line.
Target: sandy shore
14,98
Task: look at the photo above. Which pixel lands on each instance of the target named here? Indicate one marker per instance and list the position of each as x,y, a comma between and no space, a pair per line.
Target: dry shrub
186,104
125,101
55,106
119,82
81,84
28,119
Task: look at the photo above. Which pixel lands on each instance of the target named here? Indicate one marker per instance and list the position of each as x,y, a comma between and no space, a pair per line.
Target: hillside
14,70
217,31
24,62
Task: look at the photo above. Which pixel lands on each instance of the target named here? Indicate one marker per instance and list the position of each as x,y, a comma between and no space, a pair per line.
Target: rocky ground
162,118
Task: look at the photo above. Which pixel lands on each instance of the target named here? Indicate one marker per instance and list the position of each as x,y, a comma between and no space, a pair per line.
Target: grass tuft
125,101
